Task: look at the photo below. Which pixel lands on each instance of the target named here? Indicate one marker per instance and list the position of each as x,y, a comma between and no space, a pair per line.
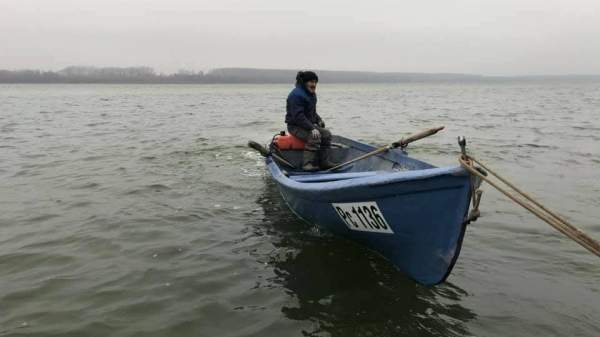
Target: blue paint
425,206
317,177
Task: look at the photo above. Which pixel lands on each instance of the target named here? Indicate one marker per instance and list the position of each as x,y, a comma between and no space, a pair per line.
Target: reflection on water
347,290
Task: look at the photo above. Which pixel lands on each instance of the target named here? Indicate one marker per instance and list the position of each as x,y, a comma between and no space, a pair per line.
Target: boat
412,213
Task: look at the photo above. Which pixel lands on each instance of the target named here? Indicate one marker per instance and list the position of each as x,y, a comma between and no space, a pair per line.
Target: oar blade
261,149
265,153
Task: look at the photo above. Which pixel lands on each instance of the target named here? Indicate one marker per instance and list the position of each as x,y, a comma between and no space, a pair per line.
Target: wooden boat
411,212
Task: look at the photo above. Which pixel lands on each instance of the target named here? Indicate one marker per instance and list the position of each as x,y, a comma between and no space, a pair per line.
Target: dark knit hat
306,76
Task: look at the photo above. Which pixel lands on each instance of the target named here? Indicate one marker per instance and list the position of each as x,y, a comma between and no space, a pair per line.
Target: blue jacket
302,108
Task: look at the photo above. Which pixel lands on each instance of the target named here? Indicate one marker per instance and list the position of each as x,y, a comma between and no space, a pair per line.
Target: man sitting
304,122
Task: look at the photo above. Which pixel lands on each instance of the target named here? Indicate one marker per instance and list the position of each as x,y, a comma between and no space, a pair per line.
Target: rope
539,210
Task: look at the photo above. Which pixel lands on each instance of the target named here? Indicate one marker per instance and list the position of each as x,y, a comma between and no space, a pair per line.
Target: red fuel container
288,142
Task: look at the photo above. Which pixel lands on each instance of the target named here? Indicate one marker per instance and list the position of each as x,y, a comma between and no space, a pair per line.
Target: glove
315,134
321,123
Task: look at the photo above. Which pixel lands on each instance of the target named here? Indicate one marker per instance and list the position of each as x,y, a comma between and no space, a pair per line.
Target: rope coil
524,200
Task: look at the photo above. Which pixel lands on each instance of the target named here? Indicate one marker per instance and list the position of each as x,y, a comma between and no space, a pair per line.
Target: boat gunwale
383,178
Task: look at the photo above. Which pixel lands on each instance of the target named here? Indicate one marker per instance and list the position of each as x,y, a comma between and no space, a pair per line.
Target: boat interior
343,150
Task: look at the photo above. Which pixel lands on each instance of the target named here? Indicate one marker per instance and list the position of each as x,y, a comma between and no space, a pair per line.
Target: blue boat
412,213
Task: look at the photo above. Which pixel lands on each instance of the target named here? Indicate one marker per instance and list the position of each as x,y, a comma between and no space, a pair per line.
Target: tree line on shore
81,74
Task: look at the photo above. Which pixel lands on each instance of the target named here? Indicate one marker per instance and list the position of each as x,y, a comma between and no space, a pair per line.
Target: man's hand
315,134
321,123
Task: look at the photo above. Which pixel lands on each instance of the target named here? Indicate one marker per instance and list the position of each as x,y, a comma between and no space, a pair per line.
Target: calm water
137,210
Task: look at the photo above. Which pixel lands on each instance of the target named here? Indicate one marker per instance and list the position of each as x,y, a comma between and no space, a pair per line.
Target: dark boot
309,159
324,162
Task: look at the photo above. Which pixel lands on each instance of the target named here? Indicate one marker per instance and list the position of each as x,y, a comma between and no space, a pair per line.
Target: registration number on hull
362,216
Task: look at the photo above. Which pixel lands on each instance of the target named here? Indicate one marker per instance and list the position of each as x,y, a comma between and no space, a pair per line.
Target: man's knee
299,133
325,133
325,137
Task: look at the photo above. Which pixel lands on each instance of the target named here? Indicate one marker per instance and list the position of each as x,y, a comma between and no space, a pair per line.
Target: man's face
311,86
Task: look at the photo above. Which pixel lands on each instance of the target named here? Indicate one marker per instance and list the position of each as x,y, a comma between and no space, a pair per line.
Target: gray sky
500,37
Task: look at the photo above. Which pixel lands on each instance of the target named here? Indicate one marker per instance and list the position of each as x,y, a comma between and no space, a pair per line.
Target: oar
402,143
265,153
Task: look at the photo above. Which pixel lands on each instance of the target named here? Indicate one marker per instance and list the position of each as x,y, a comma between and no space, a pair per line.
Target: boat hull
425,211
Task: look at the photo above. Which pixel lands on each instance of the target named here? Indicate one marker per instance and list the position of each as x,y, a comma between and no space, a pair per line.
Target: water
137,210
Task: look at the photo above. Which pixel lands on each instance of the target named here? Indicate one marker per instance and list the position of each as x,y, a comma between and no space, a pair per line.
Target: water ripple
132,210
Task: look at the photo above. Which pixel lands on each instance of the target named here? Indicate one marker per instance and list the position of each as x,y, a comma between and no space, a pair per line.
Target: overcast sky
499,37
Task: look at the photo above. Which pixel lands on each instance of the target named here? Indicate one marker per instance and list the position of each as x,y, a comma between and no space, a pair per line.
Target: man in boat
303,122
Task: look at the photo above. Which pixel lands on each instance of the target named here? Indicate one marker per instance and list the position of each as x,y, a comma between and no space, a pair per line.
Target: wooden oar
402,143
265,153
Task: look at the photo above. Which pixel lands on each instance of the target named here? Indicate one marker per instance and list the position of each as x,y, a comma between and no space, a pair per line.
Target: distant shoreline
147,75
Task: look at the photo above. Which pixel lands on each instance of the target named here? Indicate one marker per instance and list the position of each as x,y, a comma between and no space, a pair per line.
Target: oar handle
414,137
401,143
366,155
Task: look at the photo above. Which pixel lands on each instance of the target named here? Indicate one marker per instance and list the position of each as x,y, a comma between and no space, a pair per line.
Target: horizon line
209,70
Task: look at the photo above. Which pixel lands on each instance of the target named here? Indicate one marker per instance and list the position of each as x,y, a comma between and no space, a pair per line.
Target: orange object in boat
288,142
